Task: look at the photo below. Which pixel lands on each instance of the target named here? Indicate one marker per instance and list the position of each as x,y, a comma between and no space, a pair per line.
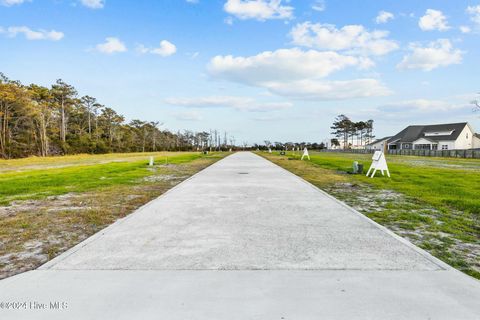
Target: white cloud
319,5
437,54
296,73
433,20
194,55
412,111
258,9
422,105
384,17
111,45
465,29
9,3
93,4
474,12
350,37
329,90
264,107
33,34
237,103
280,65
166,49
140,48
190,115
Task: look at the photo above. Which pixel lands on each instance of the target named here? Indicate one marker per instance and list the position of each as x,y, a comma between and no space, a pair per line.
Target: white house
450,136
379,144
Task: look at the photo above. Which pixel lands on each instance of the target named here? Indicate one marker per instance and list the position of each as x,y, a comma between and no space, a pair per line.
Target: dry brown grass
447,232
35,231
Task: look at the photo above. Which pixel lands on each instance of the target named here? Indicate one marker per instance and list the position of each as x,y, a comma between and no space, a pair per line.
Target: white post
151,162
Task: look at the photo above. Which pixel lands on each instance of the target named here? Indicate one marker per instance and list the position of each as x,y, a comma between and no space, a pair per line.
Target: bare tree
154,128
65,96
42,113
91,106
476,104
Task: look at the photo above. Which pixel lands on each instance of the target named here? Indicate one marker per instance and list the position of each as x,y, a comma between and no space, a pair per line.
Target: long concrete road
243,239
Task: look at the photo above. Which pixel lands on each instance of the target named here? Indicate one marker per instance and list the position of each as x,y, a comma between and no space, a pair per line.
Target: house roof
379,140
412,133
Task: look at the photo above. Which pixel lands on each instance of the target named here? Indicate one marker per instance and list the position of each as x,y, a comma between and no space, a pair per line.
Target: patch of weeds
417,205
34,231
51,251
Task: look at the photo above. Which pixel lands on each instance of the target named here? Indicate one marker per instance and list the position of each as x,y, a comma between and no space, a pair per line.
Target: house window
439,133
444,146
467,136
426,147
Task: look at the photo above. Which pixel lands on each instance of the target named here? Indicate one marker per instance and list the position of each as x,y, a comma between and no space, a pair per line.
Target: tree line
41,121
349,133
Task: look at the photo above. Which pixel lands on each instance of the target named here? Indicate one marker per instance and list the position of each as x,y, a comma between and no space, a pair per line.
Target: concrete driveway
243,239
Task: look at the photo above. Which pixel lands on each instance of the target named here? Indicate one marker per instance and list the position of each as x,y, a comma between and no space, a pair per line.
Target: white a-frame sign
305,154
379,163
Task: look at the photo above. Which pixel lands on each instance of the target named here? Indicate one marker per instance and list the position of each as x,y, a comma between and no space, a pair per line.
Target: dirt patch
33,232
415,221
53,203
167,177
447,233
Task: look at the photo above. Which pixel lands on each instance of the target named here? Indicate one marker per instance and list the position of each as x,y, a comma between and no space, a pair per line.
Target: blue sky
260,69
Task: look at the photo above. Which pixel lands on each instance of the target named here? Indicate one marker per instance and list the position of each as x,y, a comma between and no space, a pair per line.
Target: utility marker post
151,162
379,163
305,154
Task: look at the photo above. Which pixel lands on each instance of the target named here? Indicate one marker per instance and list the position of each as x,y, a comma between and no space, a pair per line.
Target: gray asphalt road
244,239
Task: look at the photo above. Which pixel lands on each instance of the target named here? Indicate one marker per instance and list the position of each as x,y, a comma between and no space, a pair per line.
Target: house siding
380,145
476,142
464,142
450,145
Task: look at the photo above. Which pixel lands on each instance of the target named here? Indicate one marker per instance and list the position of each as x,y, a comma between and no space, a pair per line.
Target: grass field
32,163
52,176
434,202
440,182
47,205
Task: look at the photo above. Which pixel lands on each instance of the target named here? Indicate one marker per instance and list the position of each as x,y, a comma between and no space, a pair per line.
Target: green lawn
78,174
433,202
435,181
32,163
48,205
